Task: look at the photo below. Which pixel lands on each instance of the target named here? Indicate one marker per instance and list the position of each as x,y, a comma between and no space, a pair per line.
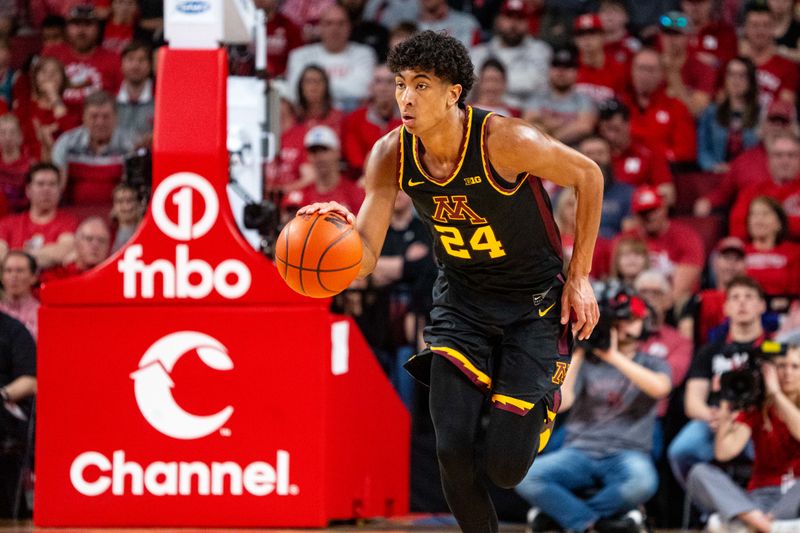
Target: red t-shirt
777,452
29,113
60,272
293,153
346,193
12,180
601,84
20,232
117,36
623,50
639,165
666,126
712,312
87,73
777,270
715,44
698,75
788,194
750,168
774,76
679,244
360,130
283,36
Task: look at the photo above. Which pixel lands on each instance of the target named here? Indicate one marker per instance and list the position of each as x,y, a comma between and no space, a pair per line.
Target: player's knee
506,472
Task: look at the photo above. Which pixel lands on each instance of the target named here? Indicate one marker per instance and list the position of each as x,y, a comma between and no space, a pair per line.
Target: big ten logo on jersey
185,208
482,240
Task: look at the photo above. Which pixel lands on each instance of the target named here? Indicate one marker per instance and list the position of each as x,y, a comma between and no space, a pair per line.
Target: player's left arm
515,147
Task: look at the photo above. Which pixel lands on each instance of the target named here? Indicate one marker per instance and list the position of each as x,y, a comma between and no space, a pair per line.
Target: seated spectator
727,129
283,36
92,247
366,31
348,65
744,305
43,231
769,258
705,311
17,386
629,258
616,195
659,121
438,16
135,105
120,28
90,67
127,212
524,59
712,39
783,160
91,157
612,395
675,249
43,113
599,76
329,185
490,89
53,30
562,111
777,76
633,162
769,505
314,108
620,45
786,29
15,162
306,15
751,167
364,126
19,277
688,79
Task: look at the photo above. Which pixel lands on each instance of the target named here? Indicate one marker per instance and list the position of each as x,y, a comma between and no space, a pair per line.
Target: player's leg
456,405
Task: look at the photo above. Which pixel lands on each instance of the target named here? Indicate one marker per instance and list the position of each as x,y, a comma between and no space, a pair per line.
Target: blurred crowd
690,109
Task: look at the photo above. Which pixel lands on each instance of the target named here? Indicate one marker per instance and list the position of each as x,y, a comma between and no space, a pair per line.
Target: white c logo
152,385
185,183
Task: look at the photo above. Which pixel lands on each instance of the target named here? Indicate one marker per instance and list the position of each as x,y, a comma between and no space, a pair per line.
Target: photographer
744,305
613,392
771,503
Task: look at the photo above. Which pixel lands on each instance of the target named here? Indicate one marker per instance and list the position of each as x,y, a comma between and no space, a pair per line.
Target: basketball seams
323,270
303,251
325,251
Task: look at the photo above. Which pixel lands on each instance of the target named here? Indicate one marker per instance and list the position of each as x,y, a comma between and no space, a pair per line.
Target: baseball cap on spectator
81,12
588,23
646,198
780,110
730,244
321,136
565,57
607,109
673,22
514,7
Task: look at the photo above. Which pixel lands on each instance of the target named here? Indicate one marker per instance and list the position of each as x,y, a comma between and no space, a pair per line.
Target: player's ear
454,94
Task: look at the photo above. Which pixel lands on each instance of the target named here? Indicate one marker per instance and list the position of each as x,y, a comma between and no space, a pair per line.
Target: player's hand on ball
328,207
578,298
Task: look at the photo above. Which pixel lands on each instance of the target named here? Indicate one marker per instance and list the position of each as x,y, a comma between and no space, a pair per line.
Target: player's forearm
589,192
368,259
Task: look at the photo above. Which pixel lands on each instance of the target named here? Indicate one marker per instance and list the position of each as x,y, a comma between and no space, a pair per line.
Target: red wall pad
182,383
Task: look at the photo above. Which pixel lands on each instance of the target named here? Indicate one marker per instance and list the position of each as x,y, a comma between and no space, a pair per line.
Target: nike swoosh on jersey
415,183
542,313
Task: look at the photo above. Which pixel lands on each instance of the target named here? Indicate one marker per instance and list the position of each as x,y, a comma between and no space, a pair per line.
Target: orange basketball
318,255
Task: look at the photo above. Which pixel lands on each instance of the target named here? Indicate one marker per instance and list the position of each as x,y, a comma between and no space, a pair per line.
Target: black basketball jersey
489,234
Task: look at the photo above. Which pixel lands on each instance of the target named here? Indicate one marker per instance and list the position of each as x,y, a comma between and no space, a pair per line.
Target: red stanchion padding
182,383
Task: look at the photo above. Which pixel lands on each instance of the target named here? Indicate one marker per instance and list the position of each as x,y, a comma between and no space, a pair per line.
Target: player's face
424,99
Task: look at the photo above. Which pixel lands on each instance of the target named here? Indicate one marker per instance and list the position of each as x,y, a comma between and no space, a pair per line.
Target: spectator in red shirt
89,67
120,27
661,122
92,247
364,126
777,76
675,249
751,167
633,162
43,113
322,145
769,258
15,162
783,160
714,41
283,36
619,44
688,79
599,76
490,89
43,231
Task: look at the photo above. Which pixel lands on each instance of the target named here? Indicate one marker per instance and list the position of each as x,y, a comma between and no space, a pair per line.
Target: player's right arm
381,185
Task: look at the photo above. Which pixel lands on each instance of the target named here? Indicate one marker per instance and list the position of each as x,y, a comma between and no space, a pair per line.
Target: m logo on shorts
561,373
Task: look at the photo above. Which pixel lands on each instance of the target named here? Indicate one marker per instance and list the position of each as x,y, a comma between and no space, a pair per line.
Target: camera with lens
623,305
744,387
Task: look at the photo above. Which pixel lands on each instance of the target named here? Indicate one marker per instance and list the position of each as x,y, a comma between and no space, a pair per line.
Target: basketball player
500,332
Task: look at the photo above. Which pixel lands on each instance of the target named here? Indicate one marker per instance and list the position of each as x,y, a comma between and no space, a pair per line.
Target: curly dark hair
438,53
